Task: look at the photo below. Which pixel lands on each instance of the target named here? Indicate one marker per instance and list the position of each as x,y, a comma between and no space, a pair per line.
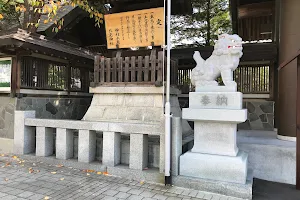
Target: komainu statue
223,61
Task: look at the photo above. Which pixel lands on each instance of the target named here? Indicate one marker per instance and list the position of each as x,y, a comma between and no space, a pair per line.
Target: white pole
167,105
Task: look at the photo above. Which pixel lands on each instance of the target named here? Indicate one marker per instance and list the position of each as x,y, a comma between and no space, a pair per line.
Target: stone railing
34,135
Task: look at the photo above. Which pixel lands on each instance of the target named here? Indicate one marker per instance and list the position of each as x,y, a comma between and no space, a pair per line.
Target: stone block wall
260,115
126,107
55,107
7,107
139,104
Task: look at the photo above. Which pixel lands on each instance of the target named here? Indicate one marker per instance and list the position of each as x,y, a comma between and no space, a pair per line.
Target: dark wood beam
5,51
124,7
10,42
298,128
252,52
276,37
58,54
233,5
277,14
257,9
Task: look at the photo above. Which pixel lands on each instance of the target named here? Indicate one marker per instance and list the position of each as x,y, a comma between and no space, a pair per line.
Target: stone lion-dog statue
223,61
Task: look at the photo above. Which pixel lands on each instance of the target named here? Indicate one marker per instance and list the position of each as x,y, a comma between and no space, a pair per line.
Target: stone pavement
21,179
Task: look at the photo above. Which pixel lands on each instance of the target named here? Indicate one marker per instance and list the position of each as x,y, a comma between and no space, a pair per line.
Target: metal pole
167,105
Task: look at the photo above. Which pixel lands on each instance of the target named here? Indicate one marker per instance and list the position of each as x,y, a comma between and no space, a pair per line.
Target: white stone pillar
24,136
162,153
44,141
176,144
86,146
138,157
111,148
64,143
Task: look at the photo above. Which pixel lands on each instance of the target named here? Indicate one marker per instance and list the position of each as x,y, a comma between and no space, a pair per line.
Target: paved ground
265,190
20,179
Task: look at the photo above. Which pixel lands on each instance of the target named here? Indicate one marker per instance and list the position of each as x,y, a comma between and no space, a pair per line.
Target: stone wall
126,107
55,107
7,107
260,115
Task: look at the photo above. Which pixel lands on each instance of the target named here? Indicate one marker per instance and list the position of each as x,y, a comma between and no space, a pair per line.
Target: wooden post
114,70
127,60
160,68
153,65
13,82
234,15
139,72
276,77
18,74
298,127
133,77
108,67
96,69
69,78
102,70
146,68
120,69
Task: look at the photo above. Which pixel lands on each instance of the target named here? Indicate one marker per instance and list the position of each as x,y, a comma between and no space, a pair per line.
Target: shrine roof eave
39,43
179,7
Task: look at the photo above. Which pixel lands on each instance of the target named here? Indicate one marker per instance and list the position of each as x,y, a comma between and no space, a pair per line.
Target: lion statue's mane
223,61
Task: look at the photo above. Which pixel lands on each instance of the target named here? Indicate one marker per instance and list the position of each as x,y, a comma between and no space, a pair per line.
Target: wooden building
277,22
41,74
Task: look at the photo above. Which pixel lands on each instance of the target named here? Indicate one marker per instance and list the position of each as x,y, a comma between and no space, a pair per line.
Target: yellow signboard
135,29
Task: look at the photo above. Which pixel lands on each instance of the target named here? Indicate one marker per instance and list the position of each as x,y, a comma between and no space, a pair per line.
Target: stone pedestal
215,155
138,105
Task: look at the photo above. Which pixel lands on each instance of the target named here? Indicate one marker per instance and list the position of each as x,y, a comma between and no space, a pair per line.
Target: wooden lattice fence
147,69
250,78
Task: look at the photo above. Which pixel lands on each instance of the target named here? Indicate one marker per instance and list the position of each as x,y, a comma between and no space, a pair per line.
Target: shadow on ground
265,190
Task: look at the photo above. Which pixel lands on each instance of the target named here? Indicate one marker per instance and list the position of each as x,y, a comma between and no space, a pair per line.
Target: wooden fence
37,73
253,79
250,79
147,69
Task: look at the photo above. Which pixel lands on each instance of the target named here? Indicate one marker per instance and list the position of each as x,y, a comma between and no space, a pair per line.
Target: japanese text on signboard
135,29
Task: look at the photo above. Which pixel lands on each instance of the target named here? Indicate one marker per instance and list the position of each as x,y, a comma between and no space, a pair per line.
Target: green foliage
27,13
5,62
8,16
209,19
5,84
56,77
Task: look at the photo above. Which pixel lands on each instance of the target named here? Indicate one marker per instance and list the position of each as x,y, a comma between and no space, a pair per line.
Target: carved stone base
215,155
215,138
215,167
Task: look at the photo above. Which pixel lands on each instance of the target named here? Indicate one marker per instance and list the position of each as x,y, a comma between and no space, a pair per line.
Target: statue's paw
230,83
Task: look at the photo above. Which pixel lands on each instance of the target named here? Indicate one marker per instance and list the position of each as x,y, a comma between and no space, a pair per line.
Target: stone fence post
24,136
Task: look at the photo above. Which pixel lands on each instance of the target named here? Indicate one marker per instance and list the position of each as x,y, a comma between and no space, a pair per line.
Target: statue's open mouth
236,46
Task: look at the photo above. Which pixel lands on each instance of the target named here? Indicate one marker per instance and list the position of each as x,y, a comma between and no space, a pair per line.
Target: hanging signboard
139,28
5,74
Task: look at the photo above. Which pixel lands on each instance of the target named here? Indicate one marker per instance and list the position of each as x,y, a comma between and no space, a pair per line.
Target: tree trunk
208,37
35,18
26,15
